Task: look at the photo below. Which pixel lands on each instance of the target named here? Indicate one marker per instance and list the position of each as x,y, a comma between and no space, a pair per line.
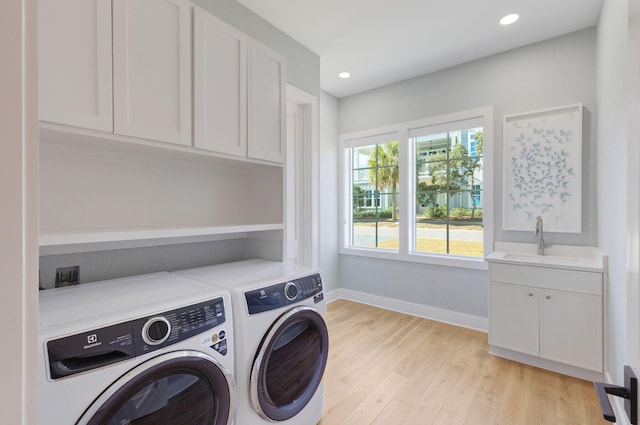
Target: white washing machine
149,349
281,338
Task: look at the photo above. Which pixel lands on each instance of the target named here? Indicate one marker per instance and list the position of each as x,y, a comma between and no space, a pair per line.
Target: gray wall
113,264
303,66
553,73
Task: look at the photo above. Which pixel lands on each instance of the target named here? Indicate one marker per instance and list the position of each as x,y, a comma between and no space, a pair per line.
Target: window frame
375,138
407,193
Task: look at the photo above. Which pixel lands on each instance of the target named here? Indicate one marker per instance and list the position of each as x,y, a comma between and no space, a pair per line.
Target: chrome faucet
538,232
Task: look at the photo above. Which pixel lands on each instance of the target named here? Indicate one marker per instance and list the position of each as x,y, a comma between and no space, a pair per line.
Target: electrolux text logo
92,341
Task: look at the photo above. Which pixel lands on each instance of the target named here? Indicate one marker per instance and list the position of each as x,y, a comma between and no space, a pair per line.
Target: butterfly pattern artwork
542,170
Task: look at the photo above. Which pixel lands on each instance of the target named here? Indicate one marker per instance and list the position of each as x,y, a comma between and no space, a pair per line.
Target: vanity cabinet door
571,329
514,318
152,69
74,63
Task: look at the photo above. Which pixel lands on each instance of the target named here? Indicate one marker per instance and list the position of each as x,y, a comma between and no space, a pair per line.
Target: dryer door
289,364
178,388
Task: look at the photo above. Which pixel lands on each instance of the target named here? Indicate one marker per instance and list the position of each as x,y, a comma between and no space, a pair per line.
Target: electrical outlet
67,276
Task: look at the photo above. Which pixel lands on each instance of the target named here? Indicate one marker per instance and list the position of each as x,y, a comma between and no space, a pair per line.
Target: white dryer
282,342
149,349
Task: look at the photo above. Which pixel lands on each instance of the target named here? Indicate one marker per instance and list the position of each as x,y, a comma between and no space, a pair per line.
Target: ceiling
381,41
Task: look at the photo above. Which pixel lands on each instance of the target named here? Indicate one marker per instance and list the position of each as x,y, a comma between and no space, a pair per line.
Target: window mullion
405,193
448,192
376,190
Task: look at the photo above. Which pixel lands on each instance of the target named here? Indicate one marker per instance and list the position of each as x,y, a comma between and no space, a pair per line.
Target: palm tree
386,175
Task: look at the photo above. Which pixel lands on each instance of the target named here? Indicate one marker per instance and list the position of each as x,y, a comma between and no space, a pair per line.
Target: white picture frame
542,169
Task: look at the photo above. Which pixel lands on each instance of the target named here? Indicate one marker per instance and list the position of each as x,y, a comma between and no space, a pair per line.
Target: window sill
434,259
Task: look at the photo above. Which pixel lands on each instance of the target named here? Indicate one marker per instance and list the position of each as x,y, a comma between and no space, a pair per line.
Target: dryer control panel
104,346
284,293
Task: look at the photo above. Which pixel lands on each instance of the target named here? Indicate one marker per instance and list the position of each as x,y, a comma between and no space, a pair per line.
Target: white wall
18,213
613,148
328,202
552,73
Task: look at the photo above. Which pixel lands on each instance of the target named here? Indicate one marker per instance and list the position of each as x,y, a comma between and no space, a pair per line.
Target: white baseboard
432,313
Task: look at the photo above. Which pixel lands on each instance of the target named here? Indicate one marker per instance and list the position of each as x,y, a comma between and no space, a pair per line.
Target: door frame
19,210
633,202
302,229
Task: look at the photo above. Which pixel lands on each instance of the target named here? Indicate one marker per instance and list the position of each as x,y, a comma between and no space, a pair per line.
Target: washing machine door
178,388
289,365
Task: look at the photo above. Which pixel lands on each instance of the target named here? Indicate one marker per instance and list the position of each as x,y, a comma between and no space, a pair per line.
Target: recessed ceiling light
509,19
344,74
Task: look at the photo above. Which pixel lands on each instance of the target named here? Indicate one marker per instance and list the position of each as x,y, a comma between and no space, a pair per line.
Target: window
448,188
420,191
374,200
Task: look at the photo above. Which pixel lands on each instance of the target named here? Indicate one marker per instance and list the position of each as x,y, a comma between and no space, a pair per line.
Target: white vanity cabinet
548,313
121,66
239,92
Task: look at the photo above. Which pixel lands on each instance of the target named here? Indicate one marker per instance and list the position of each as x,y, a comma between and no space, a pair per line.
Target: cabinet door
152,69
514,318
571,329
74,63
220,86
267,104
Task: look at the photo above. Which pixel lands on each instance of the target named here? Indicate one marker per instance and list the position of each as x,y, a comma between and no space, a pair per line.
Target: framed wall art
542,170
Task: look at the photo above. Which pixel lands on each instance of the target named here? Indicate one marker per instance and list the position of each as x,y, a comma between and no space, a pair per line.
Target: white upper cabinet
121,66
125,67
74,43
151,69
267,104
220,82
239,93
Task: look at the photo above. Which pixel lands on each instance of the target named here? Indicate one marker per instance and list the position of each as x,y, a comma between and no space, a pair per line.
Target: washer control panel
100,347
284,293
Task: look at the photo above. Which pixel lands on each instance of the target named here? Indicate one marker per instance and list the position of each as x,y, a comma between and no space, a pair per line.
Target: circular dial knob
156,330
291,291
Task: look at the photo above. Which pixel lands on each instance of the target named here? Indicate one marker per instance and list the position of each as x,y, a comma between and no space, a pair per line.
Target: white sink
540,258
556,256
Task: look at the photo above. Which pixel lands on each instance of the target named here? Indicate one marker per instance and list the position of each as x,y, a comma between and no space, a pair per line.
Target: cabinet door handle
531,294
548,297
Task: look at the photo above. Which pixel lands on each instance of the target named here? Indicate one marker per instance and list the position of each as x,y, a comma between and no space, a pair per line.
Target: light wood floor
394,369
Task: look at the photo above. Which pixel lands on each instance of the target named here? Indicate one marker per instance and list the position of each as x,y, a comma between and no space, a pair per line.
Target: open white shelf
52,243
102,193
